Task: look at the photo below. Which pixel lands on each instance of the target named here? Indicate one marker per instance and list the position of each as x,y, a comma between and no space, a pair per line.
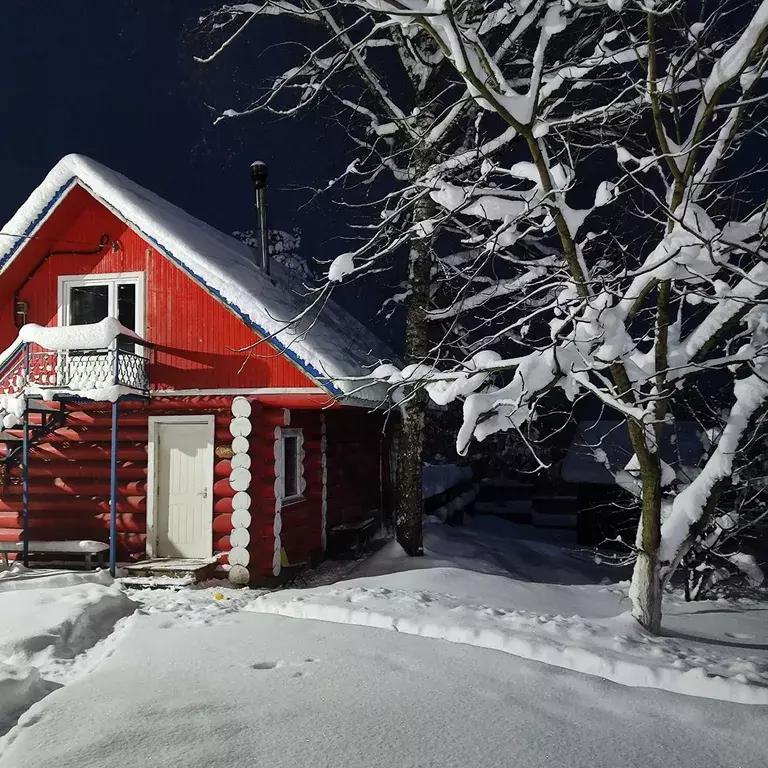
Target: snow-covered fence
447,490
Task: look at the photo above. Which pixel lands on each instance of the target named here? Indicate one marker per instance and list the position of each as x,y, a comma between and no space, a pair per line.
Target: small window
292,469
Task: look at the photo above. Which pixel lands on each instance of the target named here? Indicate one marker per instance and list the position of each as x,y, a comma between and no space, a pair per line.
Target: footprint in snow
267,665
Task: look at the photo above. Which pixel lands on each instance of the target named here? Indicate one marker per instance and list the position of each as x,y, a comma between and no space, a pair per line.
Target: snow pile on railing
94,379
90,336
68,337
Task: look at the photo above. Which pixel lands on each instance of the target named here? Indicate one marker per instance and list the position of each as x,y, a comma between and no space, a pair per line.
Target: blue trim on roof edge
57,195
61,191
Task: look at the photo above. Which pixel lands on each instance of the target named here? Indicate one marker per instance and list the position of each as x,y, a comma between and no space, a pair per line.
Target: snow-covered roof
332,348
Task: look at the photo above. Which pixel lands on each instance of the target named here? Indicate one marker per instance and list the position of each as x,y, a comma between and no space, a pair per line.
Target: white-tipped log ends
240,480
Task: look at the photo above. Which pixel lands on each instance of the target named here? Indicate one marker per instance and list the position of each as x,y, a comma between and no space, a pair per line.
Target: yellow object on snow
219,596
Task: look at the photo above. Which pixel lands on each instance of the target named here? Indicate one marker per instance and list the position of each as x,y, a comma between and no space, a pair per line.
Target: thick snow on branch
495,291
732,62
689,505
513,405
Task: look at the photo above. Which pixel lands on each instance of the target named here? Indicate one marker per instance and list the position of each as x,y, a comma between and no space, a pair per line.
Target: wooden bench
350,538
88,549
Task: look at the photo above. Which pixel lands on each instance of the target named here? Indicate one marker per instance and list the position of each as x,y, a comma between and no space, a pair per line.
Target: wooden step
41,406
7,437
190,569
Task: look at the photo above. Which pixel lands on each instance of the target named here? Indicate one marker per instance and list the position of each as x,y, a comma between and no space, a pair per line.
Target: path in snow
56,627
247,690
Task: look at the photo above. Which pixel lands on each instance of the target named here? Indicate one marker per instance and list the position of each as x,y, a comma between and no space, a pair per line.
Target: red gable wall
196,335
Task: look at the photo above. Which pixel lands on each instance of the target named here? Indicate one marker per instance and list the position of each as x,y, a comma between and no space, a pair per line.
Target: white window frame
111,279
299,435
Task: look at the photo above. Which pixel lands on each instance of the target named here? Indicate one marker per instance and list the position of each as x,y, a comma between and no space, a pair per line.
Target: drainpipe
259,174
17,293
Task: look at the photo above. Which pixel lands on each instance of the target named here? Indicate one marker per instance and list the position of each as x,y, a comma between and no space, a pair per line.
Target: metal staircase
45,382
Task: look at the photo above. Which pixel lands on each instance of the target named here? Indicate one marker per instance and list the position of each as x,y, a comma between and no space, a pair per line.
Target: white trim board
205,419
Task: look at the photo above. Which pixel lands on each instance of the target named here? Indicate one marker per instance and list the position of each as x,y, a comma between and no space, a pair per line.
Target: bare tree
630,198
406,112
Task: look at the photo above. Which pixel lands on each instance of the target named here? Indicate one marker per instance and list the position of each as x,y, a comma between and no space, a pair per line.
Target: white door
183,507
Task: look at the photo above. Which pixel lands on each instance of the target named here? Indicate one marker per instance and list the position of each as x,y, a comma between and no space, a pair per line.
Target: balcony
92,374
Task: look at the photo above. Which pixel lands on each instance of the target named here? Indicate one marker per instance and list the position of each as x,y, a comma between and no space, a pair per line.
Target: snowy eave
334,350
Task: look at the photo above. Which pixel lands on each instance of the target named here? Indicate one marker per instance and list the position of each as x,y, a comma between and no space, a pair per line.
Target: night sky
116,80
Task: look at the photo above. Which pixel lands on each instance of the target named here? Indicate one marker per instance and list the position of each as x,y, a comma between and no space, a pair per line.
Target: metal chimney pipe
259,174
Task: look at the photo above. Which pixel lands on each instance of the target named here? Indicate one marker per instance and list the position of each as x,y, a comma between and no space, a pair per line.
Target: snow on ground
267,690
55,627
586,628
211,676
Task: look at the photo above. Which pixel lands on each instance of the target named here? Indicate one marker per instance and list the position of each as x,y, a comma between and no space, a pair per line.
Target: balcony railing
127,364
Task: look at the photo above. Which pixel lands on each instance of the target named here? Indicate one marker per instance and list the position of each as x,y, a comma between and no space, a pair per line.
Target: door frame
207,420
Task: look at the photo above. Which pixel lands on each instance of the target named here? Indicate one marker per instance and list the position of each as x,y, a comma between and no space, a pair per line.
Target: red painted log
170,403
260,529
64,469
67,503
222,489
86,526
74,487
132,542
104,421
263,489
223,506
275,417
222,544
88,435
222,524
314,400
263,453
125,452
126,541
222,468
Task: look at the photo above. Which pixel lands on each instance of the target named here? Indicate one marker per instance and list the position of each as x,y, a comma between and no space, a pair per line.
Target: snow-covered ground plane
467,660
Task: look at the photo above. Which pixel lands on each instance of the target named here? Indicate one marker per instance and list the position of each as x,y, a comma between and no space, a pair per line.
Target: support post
25,484
113,493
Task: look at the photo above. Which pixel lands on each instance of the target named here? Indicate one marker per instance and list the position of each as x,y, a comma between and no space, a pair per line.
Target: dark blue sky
116,80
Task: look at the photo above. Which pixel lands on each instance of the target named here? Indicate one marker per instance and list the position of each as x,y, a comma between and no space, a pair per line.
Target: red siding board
201,344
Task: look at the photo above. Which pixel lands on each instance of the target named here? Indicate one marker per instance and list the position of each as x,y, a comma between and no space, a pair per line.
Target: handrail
60,369
11,358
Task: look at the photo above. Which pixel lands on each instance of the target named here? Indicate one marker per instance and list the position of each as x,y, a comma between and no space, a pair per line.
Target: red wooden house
223,430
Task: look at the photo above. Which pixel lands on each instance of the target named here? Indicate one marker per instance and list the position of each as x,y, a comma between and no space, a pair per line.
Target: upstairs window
86,299
292,469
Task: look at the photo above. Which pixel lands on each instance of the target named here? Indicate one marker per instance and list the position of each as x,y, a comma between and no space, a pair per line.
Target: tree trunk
646,591
410,449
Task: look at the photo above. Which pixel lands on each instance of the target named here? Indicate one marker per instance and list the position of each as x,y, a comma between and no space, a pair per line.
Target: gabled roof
329,348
